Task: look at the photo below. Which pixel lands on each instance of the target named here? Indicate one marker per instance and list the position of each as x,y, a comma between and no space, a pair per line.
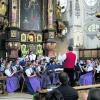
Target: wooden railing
83,90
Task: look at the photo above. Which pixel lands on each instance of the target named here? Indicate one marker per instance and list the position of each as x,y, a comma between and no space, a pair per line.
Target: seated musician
2,65
87,77
19,68
42,73
52,72
31,56
97,72
12,82
32,81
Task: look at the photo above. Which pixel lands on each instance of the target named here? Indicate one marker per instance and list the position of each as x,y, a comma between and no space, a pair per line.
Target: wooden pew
2,84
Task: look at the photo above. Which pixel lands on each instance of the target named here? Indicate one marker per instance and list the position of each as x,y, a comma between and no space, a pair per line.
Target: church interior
46,28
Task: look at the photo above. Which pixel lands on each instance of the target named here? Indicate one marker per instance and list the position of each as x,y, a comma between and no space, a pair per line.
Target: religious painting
30,15
31,37
39,38
23,37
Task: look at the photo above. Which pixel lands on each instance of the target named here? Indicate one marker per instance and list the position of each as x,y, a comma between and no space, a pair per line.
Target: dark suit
68,92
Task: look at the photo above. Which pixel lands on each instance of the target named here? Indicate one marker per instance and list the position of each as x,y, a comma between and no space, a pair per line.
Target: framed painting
23,37
31,37
30,15
39,37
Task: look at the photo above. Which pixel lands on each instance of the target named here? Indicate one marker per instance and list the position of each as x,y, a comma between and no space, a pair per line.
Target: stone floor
16,96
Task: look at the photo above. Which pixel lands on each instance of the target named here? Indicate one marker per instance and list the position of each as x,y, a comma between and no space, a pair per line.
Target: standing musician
12,82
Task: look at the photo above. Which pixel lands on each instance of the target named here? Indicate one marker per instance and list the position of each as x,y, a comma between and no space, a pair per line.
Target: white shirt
47,58
28,71
64,56
31,57
61,58
89,67
98,69
8,72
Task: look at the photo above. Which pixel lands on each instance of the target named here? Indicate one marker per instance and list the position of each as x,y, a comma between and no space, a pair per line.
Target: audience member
94,94
67,91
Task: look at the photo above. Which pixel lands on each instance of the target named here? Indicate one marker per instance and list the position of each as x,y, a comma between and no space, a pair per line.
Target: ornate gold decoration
39,38
58,11
24,49
98,14
51,35
3,7
23,37
14,13
59,26
13,45
31,37
13,34
39,50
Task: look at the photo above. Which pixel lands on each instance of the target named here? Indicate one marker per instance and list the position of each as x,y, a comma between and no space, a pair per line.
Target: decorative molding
77,9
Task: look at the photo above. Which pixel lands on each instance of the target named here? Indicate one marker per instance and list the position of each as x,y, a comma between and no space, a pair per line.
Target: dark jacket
68,92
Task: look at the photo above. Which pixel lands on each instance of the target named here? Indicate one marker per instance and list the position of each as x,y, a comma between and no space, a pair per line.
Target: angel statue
58,11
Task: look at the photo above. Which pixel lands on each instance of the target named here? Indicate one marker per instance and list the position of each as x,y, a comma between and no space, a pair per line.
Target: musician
51,70
33,82
12,82
87,78
31,56
2,65
97,71
19,68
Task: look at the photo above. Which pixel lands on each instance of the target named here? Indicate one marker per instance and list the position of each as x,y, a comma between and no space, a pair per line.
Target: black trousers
70,72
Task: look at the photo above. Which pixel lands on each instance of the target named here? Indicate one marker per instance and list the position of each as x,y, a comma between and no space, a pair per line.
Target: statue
3,7
58,11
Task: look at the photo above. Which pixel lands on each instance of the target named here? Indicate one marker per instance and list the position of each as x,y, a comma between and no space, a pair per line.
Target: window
93,28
